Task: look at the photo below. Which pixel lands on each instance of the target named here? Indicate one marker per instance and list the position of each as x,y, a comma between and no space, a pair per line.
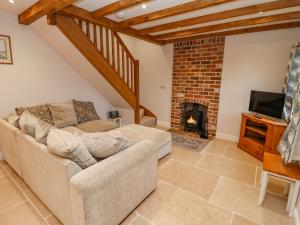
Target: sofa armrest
108,191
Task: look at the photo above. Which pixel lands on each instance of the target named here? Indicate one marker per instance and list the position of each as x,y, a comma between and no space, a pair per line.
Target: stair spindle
107,44
132,74
101,40
88,30
118,57
95,35
110,49
127,69
80,23
123,65
113,49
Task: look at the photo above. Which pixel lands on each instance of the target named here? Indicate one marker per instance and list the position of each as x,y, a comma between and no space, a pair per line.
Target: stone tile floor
218,186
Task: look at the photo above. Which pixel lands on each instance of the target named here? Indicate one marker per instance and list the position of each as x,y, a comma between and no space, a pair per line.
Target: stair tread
142,113
148,121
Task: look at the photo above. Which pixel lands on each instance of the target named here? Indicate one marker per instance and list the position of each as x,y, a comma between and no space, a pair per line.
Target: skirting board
164,124
227,137
296,217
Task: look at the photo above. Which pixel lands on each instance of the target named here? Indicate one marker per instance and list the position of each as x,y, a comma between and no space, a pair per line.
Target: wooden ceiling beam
264,7
80,13
239,31
115,7
77,12
42,8
172,11
229,25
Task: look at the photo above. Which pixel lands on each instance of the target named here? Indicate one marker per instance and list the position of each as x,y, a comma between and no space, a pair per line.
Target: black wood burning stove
195,119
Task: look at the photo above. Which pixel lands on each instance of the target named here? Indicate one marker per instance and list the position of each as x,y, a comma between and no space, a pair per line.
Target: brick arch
198,101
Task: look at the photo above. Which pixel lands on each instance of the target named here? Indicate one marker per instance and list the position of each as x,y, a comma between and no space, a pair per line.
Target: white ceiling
17,8
156,5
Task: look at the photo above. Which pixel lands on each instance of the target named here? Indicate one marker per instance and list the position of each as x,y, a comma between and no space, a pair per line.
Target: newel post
137,91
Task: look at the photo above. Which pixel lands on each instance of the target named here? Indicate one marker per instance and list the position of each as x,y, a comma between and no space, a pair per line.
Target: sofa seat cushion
96,126
136,133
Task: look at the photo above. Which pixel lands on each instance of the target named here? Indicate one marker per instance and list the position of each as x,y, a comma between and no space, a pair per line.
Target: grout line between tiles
210,198
255,179
138,214
231,220
167,163
226,148
233,160
26,197
213,203
134,218
47,217
13,206
245,217
196,196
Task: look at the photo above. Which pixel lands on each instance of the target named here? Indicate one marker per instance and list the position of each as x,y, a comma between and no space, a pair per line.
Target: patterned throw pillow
42,112
85,111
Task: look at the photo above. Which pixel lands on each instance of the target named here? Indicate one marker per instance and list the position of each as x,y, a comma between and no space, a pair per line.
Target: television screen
267,103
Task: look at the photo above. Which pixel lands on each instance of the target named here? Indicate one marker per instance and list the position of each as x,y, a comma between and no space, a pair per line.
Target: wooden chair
273,166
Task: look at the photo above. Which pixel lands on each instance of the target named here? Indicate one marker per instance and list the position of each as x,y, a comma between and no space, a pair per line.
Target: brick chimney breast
197,71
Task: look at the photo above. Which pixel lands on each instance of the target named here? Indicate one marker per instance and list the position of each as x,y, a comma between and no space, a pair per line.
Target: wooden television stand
260,134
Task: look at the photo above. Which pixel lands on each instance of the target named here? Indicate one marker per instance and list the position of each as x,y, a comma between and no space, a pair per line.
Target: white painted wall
39,74
255,61
156,66
71,55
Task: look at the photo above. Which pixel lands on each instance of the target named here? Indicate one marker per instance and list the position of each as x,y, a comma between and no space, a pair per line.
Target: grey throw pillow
63,114
28,123
67,145
13,119
42,130
104,144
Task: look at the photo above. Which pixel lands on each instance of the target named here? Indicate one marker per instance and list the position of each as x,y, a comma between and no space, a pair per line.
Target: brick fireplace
197,70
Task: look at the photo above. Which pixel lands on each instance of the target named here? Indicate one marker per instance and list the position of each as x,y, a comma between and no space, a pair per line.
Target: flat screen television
267,103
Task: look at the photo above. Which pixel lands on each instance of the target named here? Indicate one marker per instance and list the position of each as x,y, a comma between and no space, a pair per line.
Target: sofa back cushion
40,111
67,145
85,111
63,114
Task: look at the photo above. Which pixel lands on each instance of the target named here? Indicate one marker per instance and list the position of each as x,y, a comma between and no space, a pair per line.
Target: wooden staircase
106,51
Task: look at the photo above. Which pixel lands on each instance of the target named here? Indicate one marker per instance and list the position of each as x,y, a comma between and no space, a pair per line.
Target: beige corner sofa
103,194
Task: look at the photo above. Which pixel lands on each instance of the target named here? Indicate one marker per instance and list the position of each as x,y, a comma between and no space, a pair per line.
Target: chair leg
292,187
263,188
294,198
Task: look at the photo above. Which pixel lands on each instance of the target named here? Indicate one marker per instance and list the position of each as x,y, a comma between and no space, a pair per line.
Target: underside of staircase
108,54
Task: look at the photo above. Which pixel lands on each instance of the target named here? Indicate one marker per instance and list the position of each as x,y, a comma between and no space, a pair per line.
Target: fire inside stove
191,120
194,118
